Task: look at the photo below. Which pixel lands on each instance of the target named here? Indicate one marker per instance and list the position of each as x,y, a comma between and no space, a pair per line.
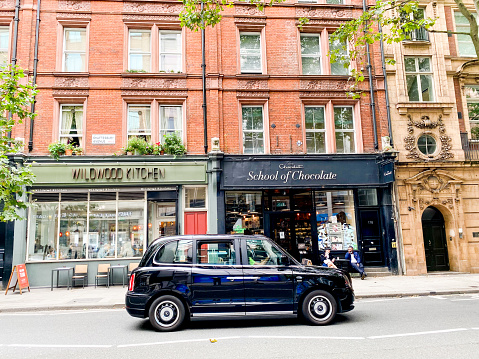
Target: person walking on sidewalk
355,262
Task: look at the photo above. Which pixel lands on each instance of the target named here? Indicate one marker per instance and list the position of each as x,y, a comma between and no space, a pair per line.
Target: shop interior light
149,225
321,205
67,233
338,203
61,234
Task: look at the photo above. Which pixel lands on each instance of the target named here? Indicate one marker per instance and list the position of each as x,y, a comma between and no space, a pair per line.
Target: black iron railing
470,147
418,35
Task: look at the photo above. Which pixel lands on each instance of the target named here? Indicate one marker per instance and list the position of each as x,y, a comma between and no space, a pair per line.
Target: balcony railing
470,147
418,35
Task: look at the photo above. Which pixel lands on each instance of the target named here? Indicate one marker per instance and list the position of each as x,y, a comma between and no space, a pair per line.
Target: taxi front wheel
319,308
167,313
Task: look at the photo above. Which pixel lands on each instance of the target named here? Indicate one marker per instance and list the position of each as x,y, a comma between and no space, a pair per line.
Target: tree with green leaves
15,176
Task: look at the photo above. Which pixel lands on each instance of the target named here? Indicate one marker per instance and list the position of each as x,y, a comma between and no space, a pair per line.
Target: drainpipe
35,64
388,107
16,19
203,66
371,90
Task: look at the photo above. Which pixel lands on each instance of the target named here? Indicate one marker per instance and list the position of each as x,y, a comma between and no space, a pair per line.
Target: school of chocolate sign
256,172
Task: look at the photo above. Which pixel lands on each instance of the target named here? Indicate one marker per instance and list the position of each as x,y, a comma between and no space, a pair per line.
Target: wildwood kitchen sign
251,172
119,174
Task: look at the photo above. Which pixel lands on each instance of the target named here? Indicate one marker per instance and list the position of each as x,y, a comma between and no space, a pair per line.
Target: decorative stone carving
71,82
341,94
248,10
253,85
62,92
330,13
154,8
74,5
427,124
69,16
251,20
434,187
7,4
154,93
324,85
264,94
152,83
164,18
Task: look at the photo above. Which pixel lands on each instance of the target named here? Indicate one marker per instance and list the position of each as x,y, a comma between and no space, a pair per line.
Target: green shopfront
109,212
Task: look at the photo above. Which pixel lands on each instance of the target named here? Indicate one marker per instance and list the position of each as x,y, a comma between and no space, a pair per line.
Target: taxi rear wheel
167,313
319,308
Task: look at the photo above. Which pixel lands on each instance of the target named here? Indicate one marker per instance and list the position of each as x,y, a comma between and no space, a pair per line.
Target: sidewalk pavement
40,299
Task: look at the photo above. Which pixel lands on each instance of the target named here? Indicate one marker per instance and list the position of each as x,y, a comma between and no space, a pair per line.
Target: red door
195,223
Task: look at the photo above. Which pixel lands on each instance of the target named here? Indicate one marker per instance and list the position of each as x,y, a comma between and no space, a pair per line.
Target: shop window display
336,220
86,225
244,213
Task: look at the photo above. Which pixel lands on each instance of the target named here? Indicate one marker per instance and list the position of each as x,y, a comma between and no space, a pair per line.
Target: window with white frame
472,97
170,51
139,50
74,50
419,78
311,54
71,124
339,67
250,52
344,129
195,198
315,129
139,121
464,42
253,129
4,44
171,120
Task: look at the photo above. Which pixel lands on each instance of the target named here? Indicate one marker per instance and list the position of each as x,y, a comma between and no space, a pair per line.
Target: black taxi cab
185,277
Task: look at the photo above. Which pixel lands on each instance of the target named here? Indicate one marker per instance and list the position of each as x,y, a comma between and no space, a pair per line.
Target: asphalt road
417,327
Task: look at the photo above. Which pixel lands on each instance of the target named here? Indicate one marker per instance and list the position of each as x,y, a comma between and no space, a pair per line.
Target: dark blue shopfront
309,203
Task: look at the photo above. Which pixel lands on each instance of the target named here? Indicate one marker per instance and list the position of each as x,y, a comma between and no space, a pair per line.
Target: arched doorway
435,243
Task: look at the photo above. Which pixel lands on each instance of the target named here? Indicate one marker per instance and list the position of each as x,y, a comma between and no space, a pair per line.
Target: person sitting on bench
355,262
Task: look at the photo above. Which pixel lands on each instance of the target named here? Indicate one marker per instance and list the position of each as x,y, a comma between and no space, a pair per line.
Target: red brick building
108,70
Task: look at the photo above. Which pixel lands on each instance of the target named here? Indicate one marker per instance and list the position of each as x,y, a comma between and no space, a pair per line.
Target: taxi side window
175,252
262,252
216,252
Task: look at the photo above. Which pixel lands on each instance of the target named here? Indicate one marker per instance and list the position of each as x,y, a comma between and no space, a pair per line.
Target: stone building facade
432,89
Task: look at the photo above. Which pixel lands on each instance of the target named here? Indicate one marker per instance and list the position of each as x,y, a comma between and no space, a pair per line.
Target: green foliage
173,145
137,145
135,71
57,149
14,177
399,18
195,17
475,133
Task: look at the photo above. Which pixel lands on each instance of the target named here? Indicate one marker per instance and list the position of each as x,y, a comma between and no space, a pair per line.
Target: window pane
75,40
140,41
310,45
71,125
140,62
426,87
102,229
424,64
464,42
343,117
195,197
171,120
43,232
73,218
4,42
367,197
410,64
345,142
311,65
244,212
219,253
252,118
337,68
314,118
335,2
262,252
426,144
74,62
412,87
253,142
170,51
315,142
176,252
139,120
250,52
170,63
131,228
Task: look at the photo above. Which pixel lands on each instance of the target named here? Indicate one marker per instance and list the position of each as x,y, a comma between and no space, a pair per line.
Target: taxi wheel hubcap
320,307
167,313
